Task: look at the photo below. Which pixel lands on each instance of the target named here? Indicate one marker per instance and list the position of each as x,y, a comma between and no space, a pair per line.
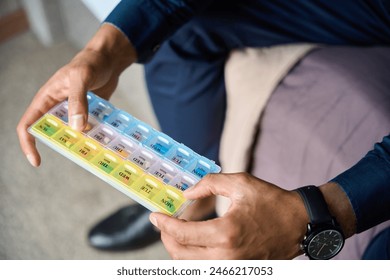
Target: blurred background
46,212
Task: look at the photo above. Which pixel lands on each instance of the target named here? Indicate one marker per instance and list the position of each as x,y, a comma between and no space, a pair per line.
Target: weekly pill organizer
136,159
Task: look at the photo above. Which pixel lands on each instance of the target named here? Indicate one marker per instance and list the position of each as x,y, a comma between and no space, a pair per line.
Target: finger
38,107
27,143
203,233
77,99
182,252
214,184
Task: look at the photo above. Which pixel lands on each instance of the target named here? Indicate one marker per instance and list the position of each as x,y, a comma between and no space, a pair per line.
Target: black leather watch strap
315,205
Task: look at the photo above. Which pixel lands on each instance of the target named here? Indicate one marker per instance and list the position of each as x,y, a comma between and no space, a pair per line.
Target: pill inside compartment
143,157
139,132
103,134
100,108
47,126
184,181
169,199
120,120
160,143
91,124
123,146
202,166
163,171
181,155
106,161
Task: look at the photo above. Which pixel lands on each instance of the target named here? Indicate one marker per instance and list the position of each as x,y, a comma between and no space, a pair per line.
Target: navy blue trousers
379,247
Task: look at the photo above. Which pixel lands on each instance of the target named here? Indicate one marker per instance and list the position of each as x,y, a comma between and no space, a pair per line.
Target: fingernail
77,121
31,160
153,220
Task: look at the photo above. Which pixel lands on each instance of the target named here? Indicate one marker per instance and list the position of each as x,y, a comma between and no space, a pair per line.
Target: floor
45,212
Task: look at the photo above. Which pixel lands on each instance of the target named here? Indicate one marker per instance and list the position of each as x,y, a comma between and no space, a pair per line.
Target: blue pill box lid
100,108
139,131
181,155
120,120
203,166
90,97
159,143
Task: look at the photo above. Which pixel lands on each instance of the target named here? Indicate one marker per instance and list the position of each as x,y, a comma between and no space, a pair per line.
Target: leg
379,247
188,97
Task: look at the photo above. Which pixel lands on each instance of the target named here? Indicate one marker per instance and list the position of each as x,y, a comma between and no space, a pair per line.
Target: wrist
340,207
295,221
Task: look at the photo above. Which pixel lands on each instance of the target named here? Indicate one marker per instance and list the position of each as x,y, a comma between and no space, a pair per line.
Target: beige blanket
251,75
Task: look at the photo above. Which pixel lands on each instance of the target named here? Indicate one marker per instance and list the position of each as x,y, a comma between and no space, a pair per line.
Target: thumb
78,104
78,111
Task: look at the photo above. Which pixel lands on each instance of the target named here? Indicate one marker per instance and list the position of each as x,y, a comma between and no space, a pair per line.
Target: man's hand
97,67
263,222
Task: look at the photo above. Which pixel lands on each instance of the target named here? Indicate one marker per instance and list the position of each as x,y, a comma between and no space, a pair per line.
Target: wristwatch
324,238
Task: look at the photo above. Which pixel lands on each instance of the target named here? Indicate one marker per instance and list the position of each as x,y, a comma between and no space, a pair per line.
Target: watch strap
315,204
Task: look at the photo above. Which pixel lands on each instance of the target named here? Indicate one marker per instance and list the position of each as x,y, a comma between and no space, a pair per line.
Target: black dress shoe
127,229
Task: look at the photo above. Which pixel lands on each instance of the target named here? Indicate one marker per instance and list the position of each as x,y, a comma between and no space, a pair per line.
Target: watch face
325,244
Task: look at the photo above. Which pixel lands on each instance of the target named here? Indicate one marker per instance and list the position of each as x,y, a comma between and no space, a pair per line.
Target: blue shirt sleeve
367,185
147,23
